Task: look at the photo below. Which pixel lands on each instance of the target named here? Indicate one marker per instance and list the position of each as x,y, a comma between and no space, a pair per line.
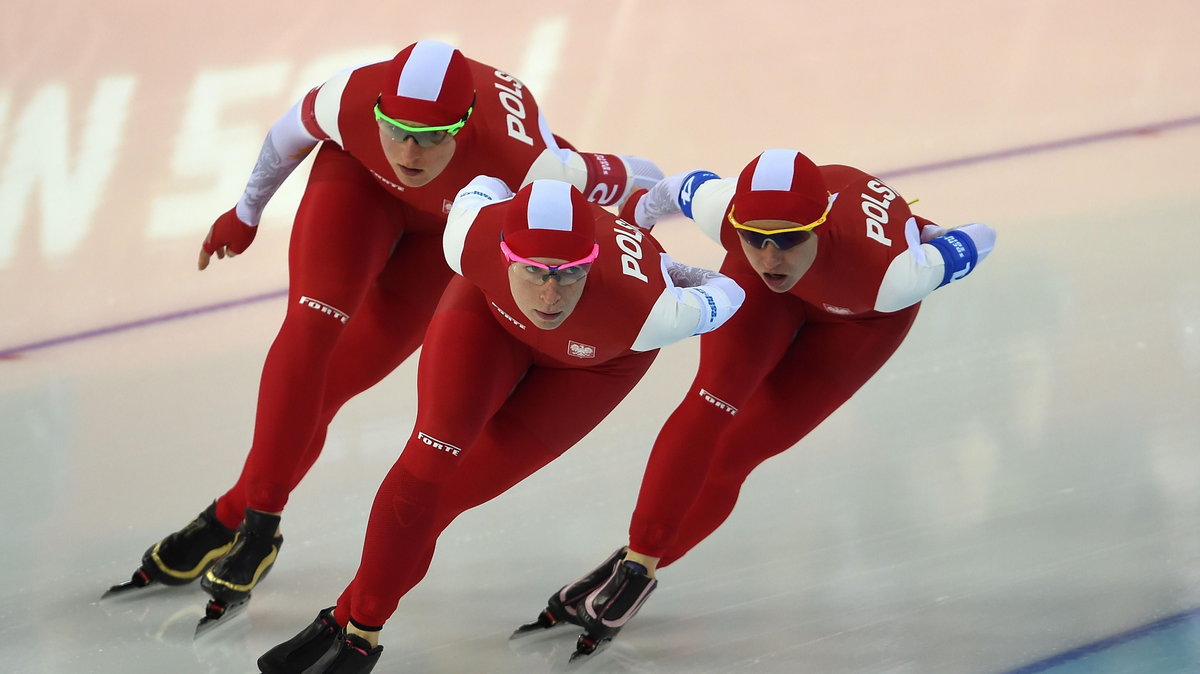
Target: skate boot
560,609
606,610
301,651
232,578
184,555
349,654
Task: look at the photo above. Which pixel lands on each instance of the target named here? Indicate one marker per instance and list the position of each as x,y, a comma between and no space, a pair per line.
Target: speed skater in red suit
558,300
835,266
396,141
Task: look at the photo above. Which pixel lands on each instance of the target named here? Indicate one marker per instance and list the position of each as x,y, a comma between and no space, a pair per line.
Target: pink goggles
566,273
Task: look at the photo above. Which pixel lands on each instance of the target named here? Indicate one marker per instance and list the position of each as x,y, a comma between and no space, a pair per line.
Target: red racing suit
785,361
365,262
498,398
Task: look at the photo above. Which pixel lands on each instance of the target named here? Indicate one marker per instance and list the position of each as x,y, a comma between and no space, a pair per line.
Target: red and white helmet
550,218
430,83
780,185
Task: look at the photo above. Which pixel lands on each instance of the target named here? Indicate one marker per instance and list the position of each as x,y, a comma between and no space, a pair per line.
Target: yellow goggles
788,237
799,228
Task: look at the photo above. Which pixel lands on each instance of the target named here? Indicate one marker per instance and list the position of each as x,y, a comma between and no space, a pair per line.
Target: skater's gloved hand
644,173
659,201
931,232
228,236
669,196
962,249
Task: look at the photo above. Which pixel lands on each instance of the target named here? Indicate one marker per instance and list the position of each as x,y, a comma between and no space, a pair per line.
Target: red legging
509,410
360,251
785,367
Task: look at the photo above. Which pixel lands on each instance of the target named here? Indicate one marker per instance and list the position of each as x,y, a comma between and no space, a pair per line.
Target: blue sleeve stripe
959,254
690,183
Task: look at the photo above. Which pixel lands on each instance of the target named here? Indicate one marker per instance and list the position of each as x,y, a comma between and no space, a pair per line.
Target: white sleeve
557,163
709,204
327,108
481,191
286,145
921,269
683,311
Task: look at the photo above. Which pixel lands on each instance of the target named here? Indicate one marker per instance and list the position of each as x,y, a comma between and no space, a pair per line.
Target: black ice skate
303,650
232,578
182,556
350,654
606,610
560,609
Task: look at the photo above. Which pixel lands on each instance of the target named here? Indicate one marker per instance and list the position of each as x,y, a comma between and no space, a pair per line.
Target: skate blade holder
139,580
588,647
217,613
546,623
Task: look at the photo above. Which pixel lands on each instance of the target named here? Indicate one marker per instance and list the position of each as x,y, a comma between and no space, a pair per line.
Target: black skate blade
588,648
139,580
121,589
217,613
546,622
535,629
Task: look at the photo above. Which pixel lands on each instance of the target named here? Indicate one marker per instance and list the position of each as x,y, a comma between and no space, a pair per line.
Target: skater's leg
390,326
520,438
822,369
733,362
343,235
330,275
467,355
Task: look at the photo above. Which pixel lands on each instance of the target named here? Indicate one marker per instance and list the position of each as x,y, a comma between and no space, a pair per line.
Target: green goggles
425,136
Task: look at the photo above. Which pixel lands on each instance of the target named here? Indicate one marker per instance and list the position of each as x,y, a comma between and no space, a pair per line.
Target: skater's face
780,269
544,301
414,164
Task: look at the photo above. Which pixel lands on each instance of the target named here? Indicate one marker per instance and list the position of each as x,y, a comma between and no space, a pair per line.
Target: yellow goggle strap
800,228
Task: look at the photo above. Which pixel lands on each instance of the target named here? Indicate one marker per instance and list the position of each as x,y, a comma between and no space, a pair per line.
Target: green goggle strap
448,128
